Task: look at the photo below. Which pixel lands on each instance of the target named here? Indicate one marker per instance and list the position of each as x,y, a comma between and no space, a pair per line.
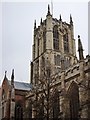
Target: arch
44,40
18,110
40,113
66,43
55,38
55,106
30,110
73,94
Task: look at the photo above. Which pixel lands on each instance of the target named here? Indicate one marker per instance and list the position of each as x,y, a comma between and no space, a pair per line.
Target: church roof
22,85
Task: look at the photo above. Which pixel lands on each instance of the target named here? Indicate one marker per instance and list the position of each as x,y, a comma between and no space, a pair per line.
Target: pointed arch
66,43
40,113
30,110
55,104
55,38
18,110
44,40
73,93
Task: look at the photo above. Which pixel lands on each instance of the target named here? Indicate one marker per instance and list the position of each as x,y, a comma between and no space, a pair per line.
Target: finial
48,9
35,24
12,76
71,19
41,20
60,18
5,74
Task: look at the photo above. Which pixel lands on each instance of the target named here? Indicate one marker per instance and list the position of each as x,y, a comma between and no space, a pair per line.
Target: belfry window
44,40
66,43
37,47
55,38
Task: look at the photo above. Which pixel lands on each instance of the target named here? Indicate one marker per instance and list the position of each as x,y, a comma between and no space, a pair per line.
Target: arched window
74,101
55,38
66,43
44,40
40,113
18,111
30,110
38,47
56,107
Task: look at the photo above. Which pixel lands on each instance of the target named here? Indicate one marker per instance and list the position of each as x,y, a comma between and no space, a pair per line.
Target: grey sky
17,31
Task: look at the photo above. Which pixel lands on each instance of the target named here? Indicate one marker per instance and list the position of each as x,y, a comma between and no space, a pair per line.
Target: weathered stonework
59,69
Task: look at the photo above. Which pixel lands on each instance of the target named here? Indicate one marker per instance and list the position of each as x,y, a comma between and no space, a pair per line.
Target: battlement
75,70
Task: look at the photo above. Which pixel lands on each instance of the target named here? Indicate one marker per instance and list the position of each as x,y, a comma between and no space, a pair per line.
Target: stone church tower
53,46
54,56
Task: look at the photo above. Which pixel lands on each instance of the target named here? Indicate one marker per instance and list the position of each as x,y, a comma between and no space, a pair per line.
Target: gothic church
60,82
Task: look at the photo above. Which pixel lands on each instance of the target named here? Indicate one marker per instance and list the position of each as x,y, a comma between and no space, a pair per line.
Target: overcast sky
17,31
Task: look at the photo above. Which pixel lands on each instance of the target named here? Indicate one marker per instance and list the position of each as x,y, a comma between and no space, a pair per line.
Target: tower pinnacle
41,20
71,22
48,10
60,18
12,77
80,48
5,75
35,24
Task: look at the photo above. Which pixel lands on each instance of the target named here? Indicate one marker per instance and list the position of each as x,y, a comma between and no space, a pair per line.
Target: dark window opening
74,101
44,40
40,113
66,42
55,38
57,60
30,110
56,108
18,111
36,71
38,47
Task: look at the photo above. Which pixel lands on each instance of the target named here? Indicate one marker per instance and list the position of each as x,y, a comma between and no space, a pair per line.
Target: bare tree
45,99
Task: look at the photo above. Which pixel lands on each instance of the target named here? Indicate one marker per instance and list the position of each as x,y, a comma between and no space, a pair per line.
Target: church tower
53,47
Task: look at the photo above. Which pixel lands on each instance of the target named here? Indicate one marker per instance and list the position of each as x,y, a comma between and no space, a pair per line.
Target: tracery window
74,101
30,110
44,40
66,43
37,47
57,60
18,111
55,38
36,71
40,113
56,108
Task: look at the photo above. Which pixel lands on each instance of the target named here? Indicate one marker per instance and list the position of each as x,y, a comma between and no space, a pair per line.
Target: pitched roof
21,85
